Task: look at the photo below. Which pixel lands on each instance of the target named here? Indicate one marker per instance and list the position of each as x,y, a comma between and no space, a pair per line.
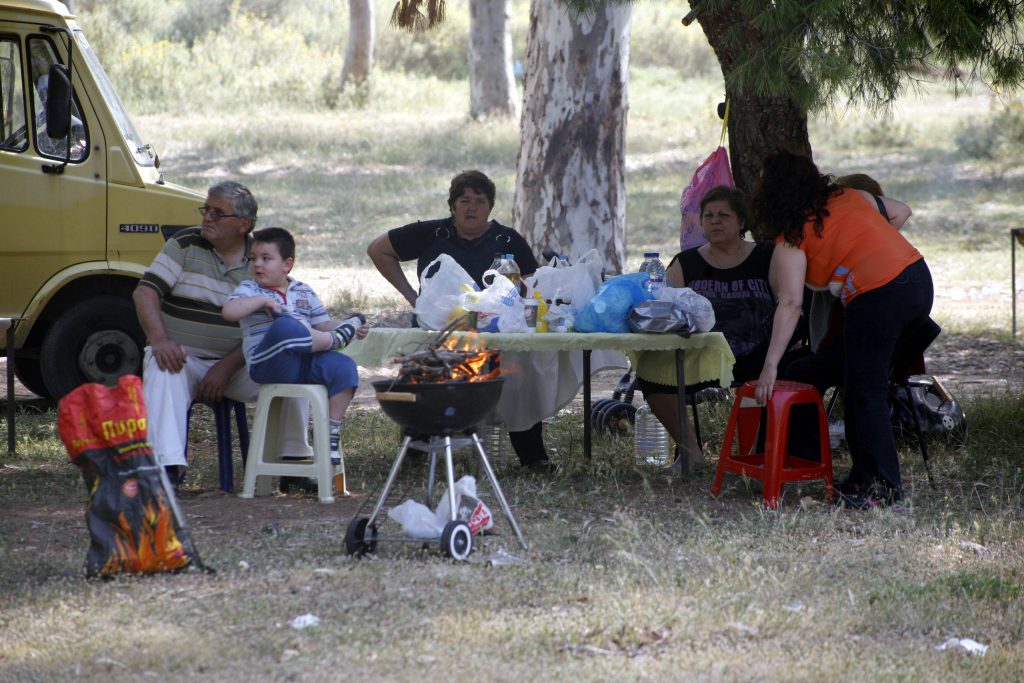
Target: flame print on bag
156,549
129,514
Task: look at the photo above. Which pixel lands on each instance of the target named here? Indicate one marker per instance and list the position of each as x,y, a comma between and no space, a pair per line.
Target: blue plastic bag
609,310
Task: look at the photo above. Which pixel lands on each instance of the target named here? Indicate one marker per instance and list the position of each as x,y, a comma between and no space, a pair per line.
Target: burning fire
451,359
479,363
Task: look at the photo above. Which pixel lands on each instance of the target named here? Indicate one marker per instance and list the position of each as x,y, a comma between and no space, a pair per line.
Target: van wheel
30,373
96,340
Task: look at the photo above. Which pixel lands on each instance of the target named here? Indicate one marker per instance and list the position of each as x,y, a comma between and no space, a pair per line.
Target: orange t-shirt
858,249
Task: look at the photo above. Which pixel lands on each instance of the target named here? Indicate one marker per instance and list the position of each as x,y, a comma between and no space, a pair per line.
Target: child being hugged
287,335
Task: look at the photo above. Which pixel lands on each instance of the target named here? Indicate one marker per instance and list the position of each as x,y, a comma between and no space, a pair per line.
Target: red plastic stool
775,465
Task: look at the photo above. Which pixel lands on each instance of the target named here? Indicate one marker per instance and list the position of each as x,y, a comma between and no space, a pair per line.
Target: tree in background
784,58
492,84
359,52
570,190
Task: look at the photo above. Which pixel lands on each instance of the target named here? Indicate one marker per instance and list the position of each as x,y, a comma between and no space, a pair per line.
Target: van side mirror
58,102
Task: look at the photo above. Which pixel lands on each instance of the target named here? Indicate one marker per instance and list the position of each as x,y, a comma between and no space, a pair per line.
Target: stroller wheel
595,413
618,418
597,418
357,541
457,540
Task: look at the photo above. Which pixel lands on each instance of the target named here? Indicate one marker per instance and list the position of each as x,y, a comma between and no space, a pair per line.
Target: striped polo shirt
193,284
299,301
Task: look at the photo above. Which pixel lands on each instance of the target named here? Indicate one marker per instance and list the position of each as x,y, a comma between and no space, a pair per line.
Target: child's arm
236,309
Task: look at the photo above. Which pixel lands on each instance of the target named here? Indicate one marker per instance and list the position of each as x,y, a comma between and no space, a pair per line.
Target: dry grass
631,574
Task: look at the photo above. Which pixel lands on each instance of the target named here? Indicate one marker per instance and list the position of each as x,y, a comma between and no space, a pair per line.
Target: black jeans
875,322
529,445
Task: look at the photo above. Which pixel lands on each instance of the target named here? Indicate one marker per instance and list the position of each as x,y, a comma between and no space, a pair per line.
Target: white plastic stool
266,433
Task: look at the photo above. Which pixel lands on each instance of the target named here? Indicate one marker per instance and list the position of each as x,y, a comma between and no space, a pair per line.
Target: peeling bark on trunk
758,124
492,84
571,194
361,38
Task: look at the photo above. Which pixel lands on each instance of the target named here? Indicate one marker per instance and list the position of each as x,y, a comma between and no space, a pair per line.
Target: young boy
287,334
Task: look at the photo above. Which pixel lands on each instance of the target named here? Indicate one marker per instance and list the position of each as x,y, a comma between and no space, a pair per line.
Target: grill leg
450,472
497,489
390,481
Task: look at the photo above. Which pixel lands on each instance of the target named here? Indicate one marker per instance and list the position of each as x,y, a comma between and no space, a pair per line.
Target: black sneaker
850,487
879,494
542,466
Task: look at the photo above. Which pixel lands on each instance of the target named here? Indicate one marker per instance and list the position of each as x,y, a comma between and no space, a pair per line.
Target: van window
142,152
42,57
13,131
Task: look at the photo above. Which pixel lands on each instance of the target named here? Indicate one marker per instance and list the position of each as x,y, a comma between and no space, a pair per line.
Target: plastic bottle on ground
650,438
496,443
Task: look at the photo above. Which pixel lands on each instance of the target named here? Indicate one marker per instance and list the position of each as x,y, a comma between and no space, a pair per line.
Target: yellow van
83,205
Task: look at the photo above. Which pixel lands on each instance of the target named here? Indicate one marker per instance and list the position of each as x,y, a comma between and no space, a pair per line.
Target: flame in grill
450,359
479,364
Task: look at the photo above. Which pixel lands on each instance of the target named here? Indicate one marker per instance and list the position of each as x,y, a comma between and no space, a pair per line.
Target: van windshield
141,151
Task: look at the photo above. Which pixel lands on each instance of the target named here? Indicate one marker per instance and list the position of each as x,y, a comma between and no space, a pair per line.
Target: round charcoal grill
443,417
438,408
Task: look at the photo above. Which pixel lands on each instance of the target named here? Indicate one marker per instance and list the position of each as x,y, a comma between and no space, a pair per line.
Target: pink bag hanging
714,171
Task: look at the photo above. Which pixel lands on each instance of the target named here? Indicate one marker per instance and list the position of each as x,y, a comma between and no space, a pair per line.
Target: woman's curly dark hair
790,192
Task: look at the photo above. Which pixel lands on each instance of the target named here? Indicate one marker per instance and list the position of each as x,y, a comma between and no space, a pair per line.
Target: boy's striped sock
335,432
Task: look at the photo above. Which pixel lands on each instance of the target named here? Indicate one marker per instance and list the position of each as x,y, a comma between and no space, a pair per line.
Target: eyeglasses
214,214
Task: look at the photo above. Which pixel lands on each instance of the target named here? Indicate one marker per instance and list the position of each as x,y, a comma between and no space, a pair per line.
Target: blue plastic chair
222,421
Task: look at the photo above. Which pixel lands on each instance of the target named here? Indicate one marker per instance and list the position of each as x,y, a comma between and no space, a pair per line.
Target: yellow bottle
542,309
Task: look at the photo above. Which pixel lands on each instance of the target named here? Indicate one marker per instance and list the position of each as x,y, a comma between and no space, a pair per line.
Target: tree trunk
758,124
359,52
492,85
571,194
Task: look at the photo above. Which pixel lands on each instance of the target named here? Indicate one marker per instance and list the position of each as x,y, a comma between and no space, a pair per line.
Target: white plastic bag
470,508
499,302
572,284
699,312
442,285
416,519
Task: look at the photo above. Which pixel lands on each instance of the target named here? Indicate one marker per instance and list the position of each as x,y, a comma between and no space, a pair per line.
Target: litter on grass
972,646
304,621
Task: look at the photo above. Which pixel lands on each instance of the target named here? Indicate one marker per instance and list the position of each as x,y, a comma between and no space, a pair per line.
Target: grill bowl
441,408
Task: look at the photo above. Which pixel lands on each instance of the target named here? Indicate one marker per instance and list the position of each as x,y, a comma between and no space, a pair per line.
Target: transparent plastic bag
417,520
499,302
700,314
470,509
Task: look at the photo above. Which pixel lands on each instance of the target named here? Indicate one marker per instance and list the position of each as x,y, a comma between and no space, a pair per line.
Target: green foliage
209,56
658,38
999,135
996,425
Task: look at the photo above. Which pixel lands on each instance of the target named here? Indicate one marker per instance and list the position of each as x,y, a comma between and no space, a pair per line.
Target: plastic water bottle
496,263
496,443
656,273
510,269
650,438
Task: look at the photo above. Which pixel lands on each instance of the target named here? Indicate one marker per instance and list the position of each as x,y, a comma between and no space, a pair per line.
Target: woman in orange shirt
830,237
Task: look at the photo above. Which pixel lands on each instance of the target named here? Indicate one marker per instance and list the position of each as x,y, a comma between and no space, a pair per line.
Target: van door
51,220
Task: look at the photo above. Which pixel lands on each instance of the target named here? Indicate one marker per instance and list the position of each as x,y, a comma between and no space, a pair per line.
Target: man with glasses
193,353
